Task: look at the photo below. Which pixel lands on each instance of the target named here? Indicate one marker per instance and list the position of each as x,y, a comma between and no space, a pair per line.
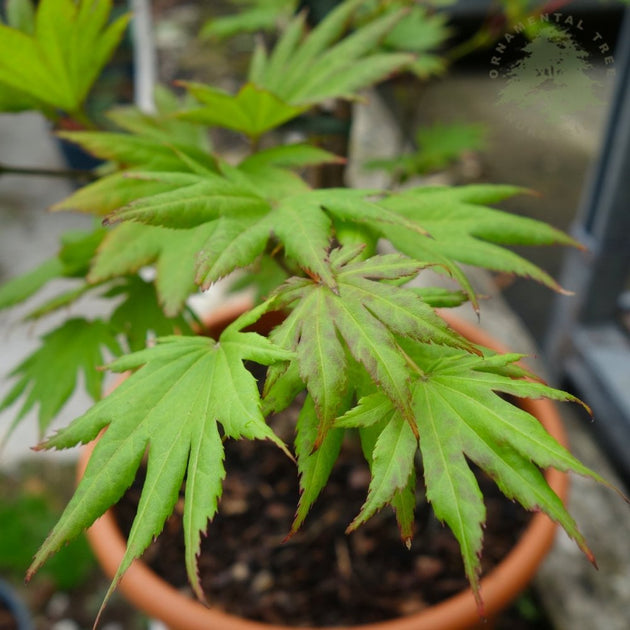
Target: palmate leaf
247,214
389,447
130,150
420,31
259,16
289,155
358,316
253,111
239,219
464,229
268,169
204,384
13,100
22,287
192,199
48,377
111,192
306,69
232,242
460,416
131,246
73,260
162,124
156,142
59,62
224,231
435,226
314,464
438,146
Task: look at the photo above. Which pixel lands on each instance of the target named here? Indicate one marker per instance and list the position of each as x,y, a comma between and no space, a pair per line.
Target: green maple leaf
234,242
205,386
48,377
420,31
289,155
155,142
131,246
13,100
242,211
358,316
191,200
22,287
306,69
314,464
227,227
73,261
111,192
161,125
464,229
438,146
247,215
57,64
252,111
388,447
460,416
140,151
436,226
259,16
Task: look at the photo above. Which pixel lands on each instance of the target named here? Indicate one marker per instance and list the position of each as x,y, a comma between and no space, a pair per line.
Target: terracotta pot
499,588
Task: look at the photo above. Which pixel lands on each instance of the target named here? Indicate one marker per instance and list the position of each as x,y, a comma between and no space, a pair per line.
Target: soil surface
322,576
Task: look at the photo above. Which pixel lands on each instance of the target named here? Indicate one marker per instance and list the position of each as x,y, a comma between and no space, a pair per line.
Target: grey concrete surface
28,236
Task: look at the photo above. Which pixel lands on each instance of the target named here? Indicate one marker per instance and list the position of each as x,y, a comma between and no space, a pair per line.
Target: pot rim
499,587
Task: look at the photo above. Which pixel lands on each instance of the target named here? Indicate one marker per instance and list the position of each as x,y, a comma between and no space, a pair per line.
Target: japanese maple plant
374,358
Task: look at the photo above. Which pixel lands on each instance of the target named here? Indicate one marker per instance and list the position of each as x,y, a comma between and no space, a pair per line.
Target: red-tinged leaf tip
196,586
284,448
110,220
565,292
617,490
100,612
481,610
583,404
476,310
531,191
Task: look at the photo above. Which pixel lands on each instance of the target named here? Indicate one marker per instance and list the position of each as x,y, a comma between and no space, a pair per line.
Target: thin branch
47,172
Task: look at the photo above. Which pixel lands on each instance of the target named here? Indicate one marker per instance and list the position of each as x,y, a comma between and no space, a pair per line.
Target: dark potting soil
320,576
